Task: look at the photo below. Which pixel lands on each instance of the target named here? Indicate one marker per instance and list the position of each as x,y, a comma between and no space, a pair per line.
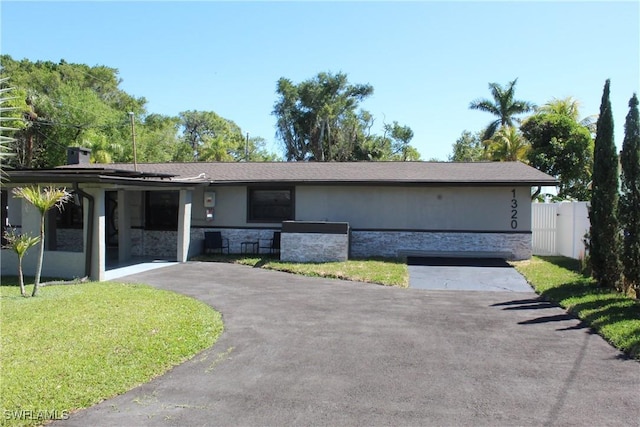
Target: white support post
184,225
99,246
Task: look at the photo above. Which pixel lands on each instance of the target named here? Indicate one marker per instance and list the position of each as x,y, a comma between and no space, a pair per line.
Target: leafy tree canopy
468,148
64,104
563,148
319,119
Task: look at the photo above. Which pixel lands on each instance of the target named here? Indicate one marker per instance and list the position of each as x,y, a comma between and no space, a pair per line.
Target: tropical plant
569,107
605,232
630,197
503,106
20,244
507,144
43,199
5,141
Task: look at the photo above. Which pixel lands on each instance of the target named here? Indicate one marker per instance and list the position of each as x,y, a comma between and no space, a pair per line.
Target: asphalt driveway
465,274
304,351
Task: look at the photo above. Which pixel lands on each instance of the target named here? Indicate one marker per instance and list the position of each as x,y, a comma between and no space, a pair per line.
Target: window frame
250,204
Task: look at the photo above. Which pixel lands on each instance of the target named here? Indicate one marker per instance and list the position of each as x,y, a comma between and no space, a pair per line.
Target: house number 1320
514,210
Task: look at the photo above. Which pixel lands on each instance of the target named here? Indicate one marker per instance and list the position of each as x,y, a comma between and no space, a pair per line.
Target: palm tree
5,151
507,144
502,106
43,200
569,107
20,244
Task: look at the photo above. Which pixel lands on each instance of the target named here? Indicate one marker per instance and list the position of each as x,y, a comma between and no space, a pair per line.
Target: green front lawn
614,316
388,272
76,345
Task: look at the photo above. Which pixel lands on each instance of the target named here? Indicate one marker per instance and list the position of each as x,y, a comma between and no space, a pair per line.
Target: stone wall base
154,243
314,247
69,240
364,244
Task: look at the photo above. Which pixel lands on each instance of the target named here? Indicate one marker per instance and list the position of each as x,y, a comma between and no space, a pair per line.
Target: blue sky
426,60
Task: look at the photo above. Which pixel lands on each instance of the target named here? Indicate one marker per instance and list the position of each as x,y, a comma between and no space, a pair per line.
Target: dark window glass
4,215
270,204
162,210
70,215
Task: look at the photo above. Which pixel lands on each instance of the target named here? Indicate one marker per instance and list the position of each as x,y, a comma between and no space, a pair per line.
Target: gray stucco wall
378,207
417,208
230,210
56,264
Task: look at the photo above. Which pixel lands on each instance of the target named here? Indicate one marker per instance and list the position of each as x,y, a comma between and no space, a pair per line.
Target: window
70,216
4,214
162,210
270,204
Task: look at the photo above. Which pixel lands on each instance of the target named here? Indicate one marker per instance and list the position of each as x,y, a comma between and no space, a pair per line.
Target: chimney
78,156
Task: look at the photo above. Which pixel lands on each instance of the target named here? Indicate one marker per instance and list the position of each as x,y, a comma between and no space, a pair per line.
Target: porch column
124,226
99,243
184,225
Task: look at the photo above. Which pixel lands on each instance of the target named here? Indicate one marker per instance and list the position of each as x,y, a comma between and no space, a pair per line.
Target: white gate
559,228
543,227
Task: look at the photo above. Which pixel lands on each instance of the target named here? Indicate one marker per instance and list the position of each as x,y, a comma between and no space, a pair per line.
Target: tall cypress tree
605,237
630,198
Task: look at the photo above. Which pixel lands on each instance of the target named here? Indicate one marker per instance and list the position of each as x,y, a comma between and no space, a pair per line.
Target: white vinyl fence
559,228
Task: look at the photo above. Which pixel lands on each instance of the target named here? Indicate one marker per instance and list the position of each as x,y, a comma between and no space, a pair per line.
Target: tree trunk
23,292
36,283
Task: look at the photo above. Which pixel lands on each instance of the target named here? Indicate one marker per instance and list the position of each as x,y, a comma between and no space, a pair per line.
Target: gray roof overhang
97,176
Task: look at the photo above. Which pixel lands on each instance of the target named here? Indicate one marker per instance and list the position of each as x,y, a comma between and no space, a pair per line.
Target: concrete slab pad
135,268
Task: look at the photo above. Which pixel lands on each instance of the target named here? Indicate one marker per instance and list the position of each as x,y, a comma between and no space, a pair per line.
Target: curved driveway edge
305,351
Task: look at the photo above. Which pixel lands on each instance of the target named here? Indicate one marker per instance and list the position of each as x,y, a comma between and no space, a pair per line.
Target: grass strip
614,316
76,345
387,272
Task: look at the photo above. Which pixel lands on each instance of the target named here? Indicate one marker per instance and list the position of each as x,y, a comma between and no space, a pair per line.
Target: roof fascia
529,183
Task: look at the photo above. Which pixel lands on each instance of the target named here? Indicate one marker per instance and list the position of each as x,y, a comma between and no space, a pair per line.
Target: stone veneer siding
314,247
69,240
154,243
395,243
363,243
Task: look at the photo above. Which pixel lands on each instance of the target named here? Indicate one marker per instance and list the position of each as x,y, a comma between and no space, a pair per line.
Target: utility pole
246,148
133,137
